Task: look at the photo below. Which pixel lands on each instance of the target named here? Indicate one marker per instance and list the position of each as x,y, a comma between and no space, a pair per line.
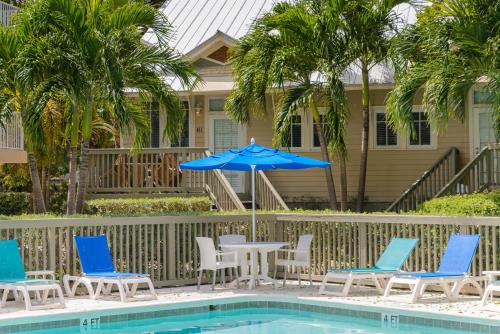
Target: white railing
165,247
6,11
11,134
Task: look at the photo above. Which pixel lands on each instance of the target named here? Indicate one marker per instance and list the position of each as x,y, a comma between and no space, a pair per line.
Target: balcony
6,11
12,141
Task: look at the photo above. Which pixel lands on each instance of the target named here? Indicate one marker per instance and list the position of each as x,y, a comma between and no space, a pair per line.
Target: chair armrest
491,274
234,254
43,273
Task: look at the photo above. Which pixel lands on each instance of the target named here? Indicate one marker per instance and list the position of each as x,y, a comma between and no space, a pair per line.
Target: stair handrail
409,198
461,183
227,191
268,197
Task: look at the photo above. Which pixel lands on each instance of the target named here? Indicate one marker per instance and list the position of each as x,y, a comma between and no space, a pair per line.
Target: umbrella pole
254,222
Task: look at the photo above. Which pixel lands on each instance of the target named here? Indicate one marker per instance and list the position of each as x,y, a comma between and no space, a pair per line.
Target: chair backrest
459,253
11,263
232,239
396,253
207,253
304,245
94,253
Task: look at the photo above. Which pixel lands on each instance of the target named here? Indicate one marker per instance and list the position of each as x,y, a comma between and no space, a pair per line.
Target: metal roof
197,22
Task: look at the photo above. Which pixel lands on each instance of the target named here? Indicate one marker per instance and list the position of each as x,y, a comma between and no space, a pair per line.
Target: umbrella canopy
251,158
263,158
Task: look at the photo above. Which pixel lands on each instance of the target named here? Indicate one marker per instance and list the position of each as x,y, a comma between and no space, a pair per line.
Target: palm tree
453,45
15,96
365,27
101,54
281,56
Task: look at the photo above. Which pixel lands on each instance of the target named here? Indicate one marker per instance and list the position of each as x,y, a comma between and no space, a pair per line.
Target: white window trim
403,138
302,146
431,146
373,138
322,111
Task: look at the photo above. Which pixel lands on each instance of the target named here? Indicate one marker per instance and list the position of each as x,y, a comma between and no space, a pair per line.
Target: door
484,132
226,134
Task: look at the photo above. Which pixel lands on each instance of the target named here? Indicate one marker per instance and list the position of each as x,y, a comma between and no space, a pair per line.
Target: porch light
198,108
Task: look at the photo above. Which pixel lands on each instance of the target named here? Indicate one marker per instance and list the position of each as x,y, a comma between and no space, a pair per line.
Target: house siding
389,173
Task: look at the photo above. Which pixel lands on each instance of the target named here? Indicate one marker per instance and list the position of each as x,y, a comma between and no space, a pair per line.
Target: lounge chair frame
418,285
349,278
21,283
418,282
378,274
104,275
104,286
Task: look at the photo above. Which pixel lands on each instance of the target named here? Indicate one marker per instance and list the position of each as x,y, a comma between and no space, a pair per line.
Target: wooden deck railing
165,247
429,184
482,173
120,171
11,135
266,195
221,192
6,11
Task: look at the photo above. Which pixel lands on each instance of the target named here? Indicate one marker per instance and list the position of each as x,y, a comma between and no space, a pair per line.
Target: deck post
51,234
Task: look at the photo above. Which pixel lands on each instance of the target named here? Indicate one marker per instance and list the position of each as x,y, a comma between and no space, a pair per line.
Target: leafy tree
364,29
95,53
453,46
281,56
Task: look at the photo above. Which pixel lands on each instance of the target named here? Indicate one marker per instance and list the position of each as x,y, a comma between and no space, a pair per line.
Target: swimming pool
250,316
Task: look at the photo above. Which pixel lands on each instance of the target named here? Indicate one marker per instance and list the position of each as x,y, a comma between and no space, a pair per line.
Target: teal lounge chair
453,269
389,264
14,278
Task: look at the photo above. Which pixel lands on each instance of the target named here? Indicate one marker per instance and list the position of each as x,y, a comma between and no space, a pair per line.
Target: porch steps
481,174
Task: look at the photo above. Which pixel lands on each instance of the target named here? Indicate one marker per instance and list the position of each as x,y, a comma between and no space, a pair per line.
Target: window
216,104
483,97
183,140
384,135
296,131
315,132
153,110
422,130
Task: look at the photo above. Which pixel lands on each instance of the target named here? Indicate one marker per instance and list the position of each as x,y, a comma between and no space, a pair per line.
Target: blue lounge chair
453,269
14,278
98,268
389,263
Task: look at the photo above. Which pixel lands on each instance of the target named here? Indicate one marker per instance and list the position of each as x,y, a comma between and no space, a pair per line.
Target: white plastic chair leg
199,279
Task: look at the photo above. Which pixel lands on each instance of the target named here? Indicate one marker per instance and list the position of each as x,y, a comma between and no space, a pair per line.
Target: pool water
253,321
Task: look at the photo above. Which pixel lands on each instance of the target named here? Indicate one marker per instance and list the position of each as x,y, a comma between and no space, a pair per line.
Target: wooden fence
165,247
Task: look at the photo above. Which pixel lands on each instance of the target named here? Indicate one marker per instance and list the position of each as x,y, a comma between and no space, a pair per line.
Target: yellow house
205,30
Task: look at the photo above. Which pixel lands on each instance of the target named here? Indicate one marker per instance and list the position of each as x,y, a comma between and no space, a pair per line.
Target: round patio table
254,248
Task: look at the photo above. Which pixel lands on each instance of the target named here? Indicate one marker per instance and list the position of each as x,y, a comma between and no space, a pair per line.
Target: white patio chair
242,255
300,257
213,260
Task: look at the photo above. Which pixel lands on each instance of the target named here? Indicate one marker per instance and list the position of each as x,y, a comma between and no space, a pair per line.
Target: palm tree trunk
365,108
332,196
70,210
343,184
39,205
84,171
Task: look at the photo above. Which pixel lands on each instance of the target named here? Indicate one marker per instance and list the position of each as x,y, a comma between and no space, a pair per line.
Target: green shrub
147,206
480,204
14,203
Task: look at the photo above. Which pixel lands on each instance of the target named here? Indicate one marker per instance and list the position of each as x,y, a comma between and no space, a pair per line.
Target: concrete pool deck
467,307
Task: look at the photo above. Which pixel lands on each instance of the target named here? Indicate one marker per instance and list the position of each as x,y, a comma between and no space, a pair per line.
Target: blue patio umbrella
251,158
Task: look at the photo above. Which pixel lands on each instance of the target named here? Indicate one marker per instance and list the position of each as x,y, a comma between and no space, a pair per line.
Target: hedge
479,204
146,206
15,203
